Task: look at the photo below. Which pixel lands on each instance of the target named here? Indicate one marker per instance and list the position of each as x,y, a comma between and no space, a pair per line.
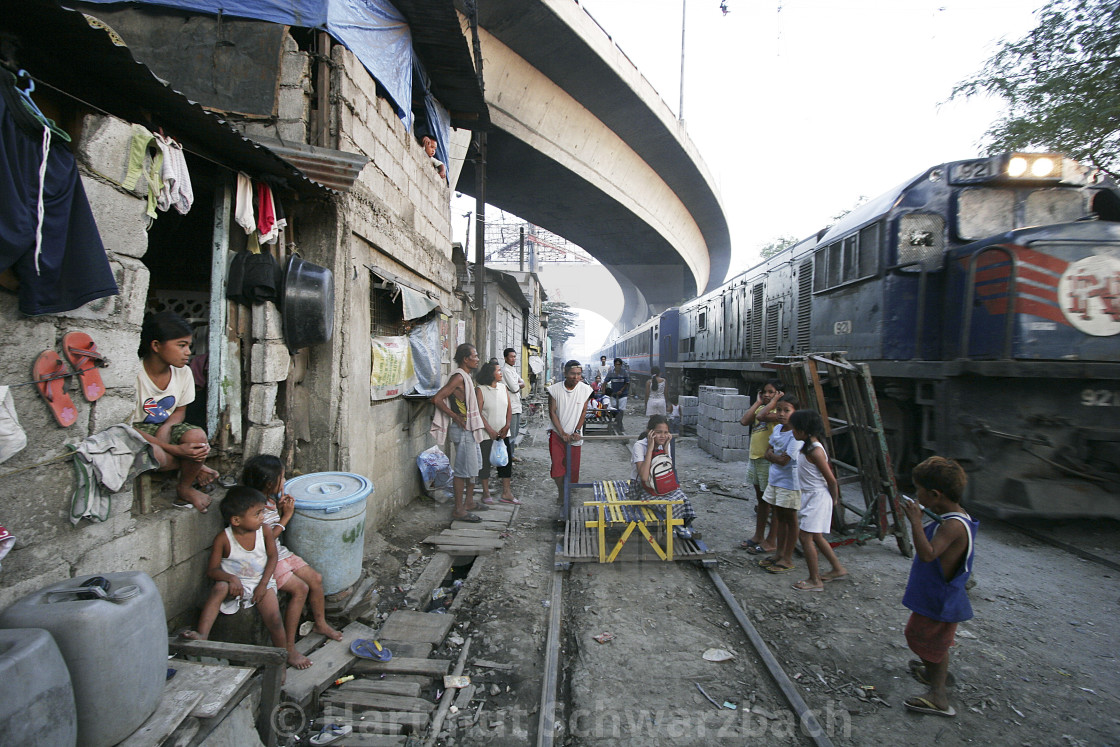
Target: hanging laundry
7,542
243,206
266,214
176,189
145,162
12,436
103,463
48,237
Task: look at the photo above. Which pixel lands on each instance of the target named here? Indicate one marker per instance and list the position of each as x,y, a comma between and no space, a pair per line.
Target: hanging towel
102,465
12,436
7,542
266,214
243,209
441,421
176,189
145,166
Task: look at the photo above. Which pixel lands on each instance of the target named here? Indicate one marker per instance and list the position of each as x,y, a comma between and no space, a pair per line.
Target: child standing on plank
265,473
782,491
164,388
242,561
935,592
761,419
820,493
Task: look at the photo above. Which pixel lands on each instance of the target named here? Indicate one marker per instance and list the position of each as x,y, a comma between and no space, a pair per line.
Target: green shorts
758,473
177,431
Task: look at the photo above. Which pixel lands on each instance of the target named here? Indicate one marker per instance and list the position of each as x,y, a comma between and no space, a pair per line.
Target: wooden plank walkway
330,661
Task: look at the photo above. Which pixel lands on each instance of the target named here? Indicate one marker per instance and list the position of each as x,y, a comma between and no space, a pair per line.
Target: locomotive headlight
1017,166
1043,166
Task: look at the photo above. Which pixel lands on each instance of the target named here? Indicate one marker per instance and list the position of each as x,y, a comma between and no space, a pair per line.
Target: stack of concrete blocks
718,428
690,411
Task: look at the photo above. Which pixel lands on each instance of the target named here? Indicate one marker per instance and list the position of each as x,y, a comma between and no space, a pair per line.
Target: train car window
921,238
983,211
851,258
820,269
702,322
1047,206
835,263
869,250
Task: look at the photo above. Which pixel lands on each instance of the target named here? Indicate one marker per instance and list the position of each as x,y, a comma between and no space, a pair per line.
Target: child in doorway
242,561
935,591
265,473
782,492
820,493
164,388
761,418
674,415
653,469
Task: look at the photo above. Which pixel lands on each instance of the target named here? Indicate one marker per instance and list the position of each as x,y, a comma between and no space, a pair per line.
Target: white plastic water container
36,699
328,526
115,649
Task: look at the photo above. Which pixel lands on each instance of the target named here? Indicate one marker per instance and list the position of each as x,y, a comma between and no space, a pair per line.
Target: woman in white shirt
494,403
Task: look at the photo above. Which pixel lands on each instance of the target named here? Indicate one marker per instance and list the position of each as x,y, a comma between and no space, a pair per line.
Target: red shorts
928,638
557,450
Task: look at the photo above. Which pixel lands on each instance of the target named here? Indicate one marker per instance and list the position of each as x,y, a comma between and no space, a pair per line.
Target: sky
801,107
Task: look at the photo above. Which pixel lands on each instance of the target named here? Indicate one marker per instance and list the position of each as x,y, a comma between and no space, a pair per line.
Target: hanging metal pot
308,304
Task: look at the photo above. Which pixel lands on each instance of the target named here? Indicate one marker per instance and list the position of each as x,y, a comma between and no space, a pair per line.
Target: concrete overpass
582,145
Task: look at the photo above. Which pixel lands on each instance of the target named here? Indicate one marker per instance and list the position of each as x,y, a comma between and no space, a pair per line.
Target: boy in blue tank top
935,592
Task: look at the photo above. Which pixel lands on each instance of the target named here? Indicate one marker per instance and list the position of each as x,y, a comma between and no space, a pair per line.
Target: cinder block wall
171,546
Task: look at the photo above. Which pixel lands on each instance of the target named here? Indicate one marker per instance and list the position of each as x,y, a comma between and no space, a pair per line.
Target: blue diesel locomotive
985,297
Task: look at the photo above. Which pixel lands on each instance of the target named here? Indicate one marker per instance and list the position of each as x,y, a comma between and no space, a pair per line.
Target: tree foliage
1060,84
561,322
772,247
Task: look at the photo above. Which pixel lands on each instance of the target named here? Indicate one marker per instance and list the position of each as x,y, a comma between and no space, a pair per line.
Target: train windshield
986,211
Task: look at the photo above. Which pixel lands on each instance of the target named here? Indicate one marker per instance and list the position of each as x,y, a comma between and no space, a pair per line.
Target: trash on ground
718,654
604,637
452,681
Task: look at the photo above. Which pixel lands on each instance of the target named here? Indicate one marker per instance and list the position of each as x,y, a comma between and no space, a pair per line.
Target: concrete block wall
293,102
690,410
718,430
172,545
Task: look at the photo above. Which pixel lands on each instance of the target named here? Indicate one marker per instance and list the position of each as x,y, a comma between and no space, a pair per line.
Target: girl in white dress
820,493
655,393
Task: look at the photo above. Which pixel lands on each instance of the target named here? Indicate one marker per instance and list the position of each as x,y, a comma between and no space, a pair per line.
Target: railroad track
549,720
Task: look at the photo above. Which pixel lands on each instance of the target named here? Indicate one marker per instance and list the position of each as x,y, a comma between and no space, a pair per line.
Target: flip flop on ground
514,501
367,648
767,562
806,586
775,568
331,733
469,517
826,577
919,704
752,547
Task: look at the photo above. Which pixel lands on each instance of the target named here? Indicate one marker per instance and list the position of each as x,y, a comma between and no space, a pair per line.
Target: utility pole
684,14
480,200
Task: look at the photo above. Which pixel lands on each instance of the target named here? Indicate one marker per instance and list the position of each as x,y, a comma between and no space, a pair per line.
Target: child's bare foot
834,575
198,499
328,631
298,660
206,475
192,635
808,586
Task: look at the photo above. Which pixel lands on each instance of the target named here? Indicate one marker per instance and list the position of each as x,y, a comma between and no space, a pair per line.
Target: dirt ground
1038,665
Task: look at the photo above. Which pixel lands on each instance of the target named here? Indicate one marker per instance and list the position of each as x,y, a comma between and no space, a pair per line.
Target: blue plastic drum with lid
328,526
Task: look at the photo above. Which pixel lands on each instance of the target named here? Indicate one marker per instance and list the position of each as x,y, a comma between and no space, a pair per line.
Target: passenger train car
985,297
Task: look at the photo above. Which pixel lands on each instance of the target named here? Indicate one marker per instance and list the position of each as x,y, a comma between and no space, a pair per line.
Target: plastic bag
435,470
499,454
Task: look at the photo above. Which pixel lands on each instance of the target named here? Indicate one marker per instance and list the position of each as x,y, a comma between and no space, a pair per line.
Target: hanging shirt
243,206
48,237
266,214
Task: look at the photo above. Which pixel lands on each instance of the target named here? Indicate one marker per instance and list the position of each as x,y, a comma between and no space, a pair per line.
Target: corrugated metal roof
58,47
334,169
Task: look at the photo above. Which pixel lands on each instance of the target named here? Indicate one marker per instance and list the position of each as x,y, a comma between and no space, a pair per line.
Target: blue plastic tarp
373,30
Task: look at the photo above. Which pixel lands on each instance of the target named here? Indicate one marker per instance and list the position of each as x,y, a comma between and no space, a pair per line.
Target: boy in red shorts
935,592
